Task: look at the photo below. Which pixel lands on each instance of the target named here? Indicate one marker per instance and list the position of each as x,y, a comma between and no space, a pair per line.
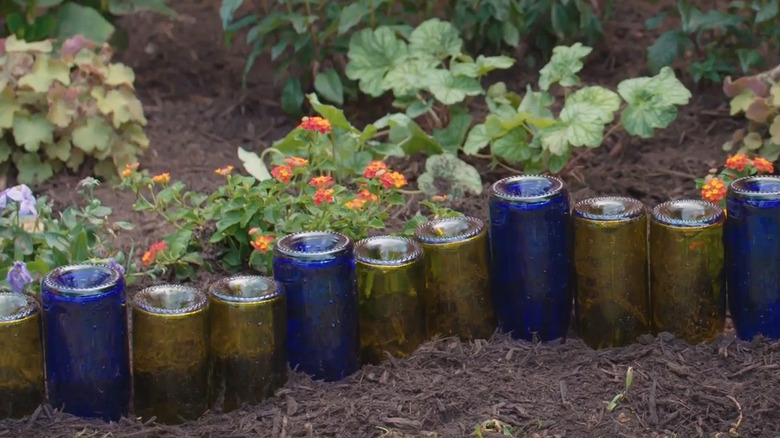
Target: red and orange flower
714,190
375,169
392,179
224,171
323,195
129,169
296,162
366,195
151,255
262,243
283,173
163,178
355,204
321,181
316,123
738,162
763,165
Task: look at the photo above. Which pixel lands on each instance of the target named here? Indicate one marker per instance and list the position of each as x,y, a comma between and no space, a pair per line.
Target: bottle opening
609,208
313,245
688,212
449,229
759,187
170,299
81,280
527,187
15,306
245,288
387,250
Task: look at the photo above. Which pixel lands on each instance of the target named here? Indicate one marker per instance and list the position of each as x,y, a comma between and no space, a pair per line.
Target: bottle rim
109,282
632,208
414,251
711,215
502,188
197,299
426,233
751,187
27,306
220,289
339,245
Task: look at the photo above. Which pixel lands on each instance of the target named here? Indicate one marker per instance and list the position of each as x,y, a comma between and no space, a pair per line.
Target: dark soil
199,115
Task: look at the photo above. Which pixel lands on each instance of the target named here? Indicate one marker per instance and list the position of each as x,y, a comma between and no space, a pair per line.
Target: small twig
734,430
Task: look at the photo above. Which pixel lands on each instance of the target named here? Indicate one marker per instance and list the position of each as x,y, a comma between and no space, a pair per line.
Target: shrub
56,111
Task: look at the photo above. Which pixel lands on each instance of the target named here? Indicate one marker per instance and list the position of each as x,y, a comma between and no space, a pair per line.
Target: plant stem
373,14
410,192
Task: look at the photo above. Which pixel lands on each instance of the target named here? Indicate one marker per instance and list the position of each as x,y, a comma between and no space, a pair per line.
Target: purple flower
116,266
18,277
23,196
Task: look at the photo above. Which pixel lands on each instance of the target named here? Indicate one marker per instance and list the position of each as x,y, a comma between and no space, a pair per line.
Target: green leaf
601,101
59,151
79,248
451,137
512,147
435,39
407,78
447,174
510,34
372,53
555,139
44,71
253,164
94,136
666,49
8,108
651,102
227,10
75,19
352,15
334,115
32,130
556,163
476,140
563,67
767,12
408,134
292,96
582,120
537,103
32,171
449,89
5,151
486,64
328,84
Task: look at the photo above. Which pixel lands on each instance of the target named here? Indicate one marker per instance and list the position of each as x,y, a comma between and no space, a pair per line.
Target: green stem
160,211
373,14
410,192
31,11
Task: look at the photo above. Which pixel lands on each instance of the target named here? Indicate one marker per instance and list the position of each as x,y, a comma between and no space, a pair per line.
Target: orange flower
439,198
323,195
150,255
262,243
321,181
163,178
129,169
714,190
392,179
282,173
374,169
315,124
296,162
225,171
763,165
368,196
355,204
737,162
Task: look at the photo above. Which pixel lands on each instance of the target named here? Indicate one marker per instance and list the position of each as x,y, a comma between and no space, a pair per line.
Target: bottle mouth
609,208
14,307
245,289
764,187
451,229
81,280
688,213
387,250
170,299
314,245
527,188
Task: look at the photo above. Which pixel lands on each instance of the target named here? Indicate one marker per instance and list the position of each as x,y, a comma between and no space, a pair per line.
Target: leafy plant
714,185
525,130
31,233
720,43
758,98
58,110
241,218
621,395
37,20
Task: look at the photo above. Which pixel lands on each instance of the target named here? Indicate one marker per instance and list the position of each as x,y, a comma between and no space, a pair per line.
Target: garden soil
199,115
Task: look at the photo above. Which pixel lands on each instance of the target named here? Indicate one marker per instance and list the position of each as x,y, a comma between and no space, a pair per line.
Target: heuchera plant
240,220
713,186
57,110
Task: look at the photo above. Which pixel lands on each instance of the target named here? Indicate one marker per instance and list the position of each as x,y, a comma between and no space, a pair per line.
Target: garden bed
199,115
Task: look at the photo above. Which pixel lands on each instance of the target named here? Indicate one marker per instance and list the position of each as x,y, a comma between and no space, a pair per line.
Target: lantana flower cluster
714,186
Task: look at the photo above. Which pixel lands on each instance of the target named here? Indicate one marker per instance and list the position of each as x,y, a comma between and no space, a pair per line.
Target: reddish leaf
72,46
759,111
733,88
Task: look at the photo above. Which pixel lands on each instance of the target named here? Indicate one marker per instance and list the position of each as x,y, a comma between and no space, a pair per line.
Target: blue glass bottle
752,255
86,346
317,272
531,256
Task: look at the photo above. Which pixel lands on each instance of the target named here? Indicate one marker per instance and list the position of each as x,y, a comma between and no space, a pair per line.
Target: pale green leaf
352,15
119,74
742,101
601,101
435,39
372,53
408,134
774,130
408,78
468,69
12,44
537,103
59,150
94,136
555,139
476,140
564,65
512,147
8,108
487,64
74,19
32,171
449,89
32,130
449,175
652,102
334,115
452,136
328,84
45,70
253,164
5,151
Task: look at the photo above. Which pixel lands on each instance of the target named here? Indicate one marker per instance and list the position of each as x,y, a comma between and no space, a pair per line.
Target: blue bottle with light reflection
317,273
86,345
751,239
531,245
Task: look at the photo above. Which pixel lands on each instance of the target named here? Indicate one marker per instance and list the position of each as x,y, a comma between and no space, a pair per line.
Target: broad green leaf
408,78
468,69
556,163
253,164
666,49
372,53
32,171
227,10
753,141
451,137
602,102
352,15
537,103
45,70
119,74
417,108
555,139
510,34
768,11
742,101
8,108
408,135
512,147
5,151
94,136
435,39
652,102
476,140
563,67
79,248
774,131
449,175
486,64
449,89
292,96
30,131
59,151
75,19
334,115
328,84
